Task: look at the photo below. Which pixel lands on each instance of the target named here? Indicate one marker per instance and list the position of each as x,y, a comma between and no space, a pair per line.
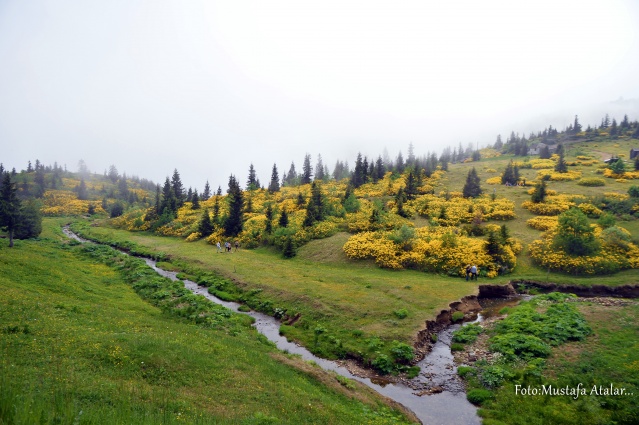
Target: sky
209,87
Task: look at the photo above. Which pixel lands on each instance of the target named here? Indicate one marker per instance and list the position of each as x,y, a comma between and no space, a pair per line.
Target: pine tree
472,188
307,171
380,169
9,207
268,227
169,203
40,185
493,247
195,200
82,191
283,221
511,174
205,226
319,169
576,127
291,176
233,222
274,185
316,208
288,250
178,188
216,210
410,161
399,164
544,152
411,185
251,182
113,174
539,193
207,192
498,143
561,166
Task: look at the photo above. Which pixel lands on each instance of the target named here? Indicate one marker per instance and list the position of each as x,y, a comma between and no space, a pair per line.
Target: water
447,405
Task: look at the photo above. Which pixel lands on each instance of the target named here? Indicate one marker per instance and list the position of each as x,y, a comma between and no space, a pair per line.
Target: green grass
609,356
338,294
78,345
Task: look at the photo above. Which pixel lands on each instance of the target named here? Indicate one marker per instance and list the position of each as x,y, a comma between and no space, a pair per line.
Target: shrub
456,346
519,345
402,353
383,364
462,371
634,191
457,316
479,395
402,313
494,376
467,333
592,182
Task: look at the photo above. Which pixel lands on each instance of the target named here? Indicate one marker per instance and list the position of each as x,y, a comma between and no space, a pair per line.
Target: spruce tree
82,191
207,192
274,185
268,227
319,169
205,226
113,174
472,187
316,208
251,182
357,179
195,200
283,221
9,207
561,166
307,171
169,203
178,188
411,185
511,174
539,193
233,222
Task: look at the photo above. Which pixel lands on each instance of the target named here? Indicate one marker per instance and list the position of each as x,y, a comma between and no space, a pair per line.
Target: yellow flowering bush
609,259
542,223
591,182
494,180
590,210
193,237
66,202
555,176
538,164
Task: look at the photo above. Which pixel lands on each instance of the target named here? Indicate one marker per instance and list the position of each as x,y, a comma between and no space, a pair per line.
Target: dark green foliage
316,208
233,222
574,234
472,188
269,220
274,185
411,186
351,204
82,191
633,191
402,313
606,220
289,250
383,364
251,182
467,333
618,166
283,221
178,188
402,353
207,191
30,221
195,199
9,207
457,316
511,174
307,172
117,209
519,345
539,194
561,166
205,226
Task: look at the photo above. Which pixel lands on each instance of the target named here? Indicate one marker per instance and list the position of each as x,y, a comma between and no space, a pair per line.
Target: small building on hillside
634,152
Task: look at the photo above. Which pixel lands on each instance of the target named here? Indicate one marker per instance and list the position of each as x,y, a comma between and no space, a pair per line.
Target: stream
446,404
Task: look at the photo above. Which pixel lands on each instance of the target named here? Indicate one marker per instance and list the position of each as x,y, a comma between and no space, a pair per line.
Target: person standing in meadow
219,247
467,272
473,272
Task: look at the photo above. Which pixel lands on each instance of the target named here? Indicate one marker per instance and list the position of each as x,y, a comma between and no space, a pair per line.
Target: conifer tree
411,185
319,169
169,203
82,191
233,222
9,207
39,180
216,210
205,226
291,176
561,166
178,188
472,188
539,193
268,227
207,192
511,174
300,199
274,185
380,169
307,171
283,221
316,209
399,164
113,174
251,182
195,200
357,179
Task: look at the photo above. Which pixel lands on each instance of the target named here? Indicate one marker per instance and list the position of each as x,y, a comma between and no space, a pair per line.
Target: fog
211,87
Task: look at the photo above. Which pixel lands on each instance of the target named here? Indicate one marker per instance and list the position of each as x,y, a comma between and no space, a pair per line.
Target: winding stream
438,370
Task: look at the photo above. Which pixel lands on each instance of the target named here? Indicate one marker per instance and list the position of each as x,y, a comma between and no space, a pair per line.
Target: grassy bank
571,383
78,345
345,307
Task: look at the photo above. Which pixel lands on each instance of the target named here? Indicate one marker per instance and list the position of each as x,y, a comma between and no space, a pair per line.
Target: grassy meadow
79,346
